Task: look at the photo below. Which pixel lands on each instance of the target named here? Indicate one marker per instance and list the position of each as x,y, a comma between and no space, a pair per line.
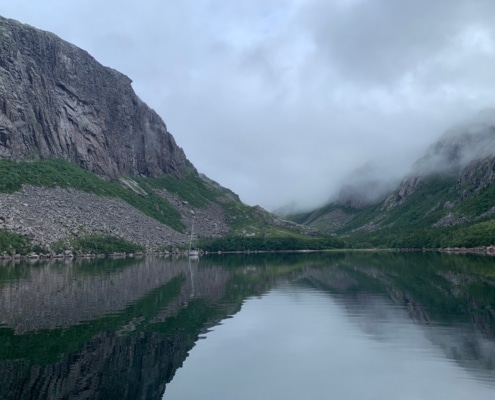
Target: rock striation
56,100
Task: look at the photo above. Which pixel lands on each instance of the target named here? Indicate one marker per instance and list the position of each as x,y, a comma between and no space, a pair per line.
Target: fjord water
287,326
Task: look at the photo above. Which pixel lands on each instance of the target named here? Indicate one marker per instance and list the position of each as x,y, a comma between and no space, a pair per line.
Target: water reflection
298,343
394,325
102,330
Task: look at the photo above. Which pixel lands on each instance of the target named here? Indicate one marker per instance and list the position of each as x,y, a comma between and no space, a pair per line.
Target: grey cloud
381,40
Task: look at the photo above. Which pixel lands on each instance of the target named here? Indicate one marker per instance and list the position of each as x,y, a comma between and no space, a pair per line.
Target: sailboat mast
190,239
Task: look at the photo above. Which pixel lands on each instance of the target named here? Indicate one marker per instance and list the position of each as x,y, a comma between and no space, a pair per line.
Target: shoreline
482,250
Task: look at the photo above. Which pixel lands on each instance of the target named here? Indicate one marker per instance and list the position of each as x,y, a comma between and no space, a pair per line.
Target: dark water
301,326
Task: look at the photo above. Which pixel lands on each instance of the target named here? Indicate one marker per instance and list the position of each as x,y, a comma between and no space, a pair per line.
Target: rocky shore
488,250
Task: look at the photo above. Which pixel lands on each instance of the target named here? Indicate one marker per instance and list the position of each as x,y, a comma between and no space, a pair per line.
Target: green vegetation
480,234
191,188
281,243
13,243
463,235
478,203
104,244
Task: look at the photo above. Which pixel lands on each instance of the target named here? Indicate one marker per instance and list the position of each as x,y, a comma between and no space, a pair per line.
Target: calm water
307,326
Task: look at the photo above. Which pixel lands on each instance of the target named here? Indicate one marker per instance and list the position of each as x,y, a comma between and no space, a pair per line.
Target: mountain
83,158
447,200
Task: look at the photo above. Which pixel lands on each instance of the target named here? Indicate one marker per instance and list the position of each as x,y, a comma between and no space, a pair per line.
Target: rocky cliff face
58,101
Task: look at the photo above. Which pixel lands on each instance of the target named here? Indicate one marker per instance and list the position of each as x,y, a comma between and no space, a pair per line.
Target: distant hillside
84,161
447,200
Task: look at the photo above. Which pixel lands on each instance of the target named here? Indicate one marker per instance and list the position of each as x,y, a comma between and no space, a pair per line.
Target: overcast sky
279,100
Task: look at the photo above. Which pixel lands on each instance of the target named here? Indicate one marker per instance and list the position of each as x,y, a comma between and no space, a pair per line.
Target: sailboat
192,252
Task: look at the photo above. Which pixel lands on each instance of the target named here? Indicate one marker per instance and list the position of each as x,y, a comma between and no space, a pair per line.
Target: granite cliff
58,101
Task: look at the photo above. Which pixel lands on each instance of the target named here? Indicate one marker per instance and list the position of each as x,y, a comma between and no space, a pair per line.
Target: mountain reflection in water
292,326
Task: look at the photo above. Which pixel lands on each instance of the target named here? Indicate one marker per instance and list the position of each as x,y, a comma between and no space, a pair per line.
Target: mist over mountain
365,186
472,140
447,198
458,153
